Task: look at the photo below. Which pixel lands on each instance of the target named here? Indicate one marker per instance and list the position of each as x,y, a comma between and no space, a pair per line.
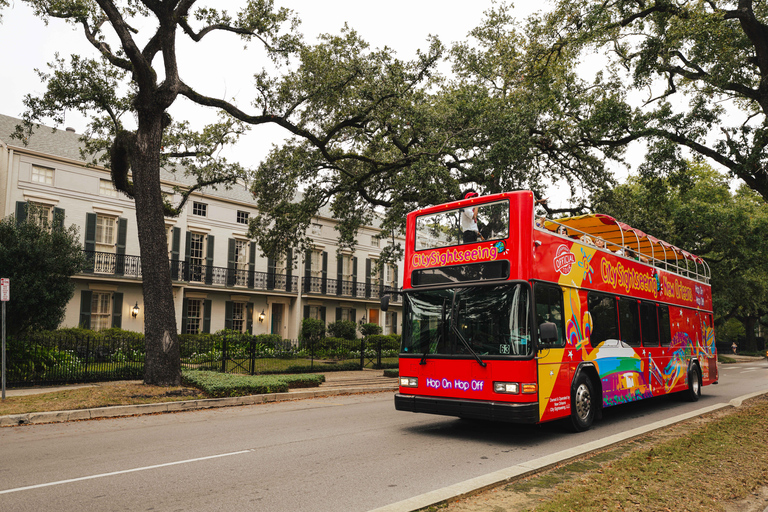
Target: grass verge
197,385
712,463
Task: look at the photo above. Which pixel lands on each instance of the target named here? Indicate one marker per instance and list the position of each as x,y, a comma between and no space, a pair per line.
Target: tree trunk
162,366
750,342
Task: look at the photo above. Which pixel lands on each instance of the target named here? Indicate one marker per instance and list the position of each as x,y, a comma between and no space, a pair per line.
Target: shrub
312,330
269,340
224,384
370,329
391,373
345,329
387,342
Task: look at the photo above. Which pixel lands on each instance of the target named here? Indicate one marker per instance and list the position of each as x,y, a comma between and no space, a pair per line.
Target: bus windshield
445,229
486,320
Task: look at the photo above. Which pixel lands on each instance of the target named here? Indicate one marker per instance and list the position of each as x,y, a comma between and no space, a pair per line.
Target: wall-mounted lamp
362,320
261,316
135,310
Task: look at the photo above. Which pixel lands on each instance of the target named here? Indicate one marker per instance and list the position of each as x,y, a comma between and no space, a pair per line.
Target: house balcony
126,266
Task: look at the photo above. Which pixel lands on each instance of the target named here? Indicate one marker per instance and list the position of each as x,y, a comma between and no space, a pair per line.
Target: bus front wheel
694,384
582,404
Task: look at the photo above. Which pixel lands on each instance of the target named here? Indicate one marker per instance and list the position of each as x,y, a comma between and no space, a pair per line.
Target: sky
402,25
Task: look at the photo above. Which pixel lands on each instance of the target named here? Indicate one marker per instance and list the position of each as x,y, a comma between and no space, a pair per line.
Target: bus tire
694,384
582,403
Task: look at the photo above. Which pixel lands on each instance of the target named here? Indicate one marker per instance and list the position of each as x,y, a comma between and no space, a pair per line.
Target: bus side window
649,324
664,330
629,321
602,308
549,308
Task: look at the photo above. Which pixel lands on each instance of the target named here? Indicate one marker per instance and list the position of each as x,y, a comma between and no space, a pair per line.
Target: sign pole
5,295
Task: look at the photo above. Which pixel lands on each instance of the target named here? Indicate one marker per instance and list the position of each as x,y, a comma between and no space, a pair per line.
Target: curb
529,468
119,411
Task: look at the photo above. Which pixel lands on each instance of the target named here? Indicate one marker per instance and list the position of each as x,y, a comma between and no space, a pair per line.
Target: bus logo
564,260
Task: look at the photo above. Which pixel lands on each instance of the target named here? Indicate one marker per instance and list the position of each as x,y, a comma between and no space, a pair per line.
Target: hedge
219,385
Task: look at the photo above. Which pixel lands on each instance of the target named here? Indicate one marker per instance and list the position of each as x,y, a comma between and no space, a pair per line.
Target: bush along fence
81,355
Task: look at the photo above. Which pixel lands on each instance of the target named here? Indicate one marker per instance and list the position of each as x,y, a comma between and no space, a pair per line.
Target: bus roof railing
611,232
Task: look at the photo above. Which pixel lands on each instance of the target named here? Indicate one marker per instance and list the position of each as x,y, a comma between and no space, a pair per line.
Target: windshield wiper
458,334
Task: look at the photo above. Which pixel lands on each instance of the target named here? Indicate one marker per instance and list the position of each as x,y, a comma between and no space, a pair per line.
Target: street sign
5,289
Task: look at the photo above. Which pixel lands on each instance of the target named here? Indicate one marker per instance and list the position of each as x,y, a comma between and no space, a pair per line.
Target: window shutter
58,217
184,309
322,313
209,261
251,264
90,241
306,312
338,314
187,251
122,228
249,318
353,315
324,283
271,270
354,276
394,323
308,264
394,278
117,310
339,271
289,271
231,266
175,243
367,277
86,296
207,315
21,212
228,314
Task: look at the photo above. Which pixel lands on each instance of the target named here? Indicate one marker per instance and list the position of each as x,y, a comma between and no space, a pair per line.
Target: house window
105,233
346,267
200,209
101,311
194,316
106,188
391,323
42,175
375,271
315,312
316,263
196,257
238,316
348,314
241,262
40,214
317,229
374,241
391,276
242,217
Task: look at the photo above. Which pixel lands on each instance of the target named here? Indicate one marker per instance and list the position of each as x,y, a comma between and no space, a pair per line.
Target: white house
220,279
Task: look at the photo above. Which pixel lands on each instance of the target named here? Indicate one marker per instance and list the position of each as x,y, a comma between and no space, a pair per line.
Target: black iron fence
64,357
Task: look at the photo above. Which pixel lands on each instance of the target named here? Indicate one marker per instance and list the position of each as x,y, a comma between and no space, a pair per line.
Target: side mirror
385,303
548,332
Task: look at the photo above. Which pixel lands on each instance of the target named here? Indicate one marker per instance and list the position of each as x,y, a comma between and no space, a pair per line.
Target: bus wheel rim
583,402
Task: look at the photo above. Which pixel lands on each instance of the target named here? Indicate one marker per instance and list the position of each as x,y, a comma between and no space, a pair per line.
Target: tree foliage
702,215
690,74
39,258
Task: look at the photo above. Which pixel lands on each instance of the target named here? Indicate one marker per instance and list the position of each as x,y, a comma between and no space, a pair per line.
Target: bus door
553,367
652,361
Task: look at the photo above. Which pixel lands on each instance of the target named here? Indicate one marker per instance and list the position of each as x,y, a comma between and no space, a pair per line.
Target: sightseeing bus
530,319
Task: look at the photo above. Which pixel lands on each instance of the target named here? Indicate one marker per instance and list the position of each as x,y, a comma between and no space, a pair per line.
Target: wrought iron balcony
348,289
104,263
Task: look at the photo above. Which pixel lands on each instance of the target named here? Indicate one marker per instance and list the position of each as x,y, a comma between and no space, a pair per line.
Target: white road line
114,473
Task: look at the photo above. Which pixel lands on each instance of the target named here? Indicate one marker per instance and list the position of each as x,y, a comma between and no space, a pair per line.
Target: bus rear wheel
582,404
694,384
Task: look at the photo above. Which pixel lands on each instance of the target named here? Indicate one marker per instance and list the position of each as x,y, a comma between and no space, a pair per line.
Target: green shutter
90,242
249,318
338,314
117,309
209,261
175,246
228,306
122,228
306,311
207,315
184,315
86,296
58,218
231,264
21,212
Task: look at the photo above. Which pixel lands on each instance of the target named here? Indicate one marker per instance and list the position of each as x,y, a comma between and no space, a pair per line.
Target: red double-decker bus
527,319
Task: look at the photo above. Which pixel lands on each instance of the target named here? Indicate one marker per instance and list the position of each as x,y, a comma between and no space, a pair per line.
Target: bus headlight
409,382
511,388
530,389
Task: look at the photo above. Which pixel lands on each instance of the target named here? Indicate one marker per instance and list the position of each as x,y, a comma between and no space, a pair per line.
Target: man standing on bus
469,228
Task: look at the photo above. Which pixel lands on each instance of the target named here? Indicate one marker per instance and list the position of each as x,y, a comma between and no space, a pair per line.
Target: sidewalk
336,383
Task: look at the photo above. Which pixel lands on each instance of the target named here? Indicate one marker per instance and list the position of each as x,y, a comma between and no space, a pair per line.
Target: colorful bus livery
541,319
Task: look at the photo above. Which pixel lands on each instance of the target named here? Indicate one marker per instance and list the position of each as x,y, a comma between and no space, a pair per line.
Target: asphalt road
352,453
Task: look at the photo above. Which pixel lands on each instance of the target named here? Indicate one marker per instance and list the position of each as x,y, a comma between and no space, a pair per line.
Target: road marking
125,471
